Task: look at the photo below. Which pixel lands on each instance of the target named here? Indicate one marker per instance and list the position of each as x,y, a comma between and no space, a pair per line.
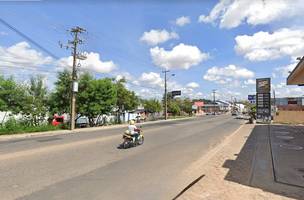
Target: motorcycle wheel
125,145
141,140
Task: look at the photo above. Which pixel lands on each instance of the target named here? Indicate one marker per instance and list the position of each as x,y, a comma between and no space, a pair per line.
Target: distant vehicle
82,122
240,116
57,120
233,114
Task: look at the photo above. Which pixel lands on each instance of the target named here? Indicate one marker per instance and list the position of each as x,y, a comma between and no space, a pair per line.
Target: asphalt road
89,165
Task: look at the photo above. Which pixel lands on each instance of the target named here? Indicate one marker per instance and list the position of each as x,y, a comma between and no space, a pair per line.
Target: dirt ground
220,184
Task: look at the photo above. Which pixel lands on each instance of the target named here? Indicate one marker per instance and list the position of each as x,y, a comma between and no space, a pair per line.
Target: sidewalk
242,170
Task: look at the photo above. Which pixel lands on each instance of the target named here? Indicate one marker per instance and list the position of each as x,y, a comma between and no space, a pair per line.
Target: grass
19,129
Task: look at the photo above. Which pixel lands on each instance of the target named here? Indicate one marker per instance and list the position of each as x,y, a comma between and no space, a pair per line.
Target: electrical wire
28,38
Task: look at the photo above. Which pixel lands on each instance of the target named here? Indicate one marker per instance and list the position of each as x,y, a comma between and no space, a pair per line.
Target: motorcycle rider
133,130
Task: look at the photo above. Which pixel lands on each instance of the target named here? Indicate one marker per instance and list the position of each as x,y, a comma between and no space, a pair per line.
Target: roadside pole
74,84
213,91
166,96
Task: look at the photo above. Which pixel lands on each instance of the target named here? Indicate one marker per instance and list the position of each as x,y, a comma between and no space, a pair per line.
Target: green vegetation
35,105
152,106
12,126
179,106
97,97
126,100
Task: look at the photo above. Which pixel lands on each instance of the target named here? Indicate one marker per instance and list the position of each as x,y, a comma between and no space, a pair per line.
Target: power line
28,38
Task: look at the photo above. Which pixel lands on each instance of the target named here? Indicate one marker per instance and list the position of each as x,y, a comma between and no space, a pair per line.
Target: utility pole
213,91
274,103
166,96
74,85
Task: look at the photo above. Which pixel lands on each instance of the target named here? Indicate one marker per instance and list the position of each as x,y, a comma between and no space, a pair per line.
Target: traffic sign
176,93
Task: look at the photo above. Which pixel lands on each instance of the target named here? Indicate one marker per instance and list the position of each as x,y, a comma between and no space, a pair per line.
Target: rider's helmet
132,122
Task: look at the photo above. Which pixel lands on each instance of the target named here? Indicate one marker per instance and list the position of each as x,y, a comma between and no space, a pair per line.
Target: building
296,77
297,74
198,107
224,106
290,103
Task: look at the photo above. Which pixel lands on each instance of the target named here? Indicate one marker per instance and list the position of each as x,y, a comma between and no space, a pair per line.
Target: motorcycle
132,141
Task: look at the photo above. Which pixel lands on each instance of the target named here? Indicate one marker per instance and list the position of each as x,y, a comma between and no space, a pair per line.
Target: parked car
82,122
57,120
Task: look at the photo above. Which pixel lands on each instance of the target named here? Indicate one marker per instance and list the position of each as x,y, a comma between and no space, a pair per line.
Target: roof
296,76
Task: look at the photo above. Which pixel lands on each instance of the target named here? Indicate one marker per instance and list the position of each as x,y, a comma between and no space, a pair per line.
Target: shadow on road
253,166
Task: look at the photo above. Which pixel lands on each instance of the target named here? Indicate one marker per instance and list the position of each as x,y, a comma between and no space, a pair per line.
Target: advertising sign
263,85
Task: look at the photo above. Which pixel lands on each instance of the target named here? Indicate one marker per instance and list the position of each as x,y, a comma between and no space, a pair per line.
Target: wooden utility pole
74,85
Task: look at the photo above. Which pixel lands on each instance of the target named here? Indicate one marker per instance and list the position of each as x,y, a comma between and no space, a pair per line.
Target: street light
166,98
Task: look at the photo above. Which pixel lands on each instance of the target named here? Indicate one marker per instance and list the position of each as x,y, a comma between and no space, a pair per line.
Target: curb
81,130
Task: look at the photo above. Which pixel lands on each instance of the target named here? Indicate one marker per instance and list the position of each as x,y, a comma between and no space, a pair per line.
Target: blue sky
213,47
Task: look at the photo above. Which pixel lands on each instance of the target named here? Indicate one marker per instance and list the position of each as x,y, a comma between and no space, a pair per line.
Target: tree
12,95
174,108
186,106
99,97
152,106
59,100
35,104
126,100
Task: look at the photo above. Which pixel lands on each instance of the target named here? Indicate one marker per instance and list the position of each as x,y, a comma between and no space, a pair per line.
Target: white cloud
151,85
120,75
146,93
92,63
180,57
181,21
151,78
21,55
192,85
231,13
229,74
268,46
284,70
154,37
250,82
283,90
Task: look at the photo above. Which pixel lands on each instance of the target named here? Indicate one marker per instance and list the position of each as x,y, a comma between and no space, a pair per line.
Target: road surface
89,165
